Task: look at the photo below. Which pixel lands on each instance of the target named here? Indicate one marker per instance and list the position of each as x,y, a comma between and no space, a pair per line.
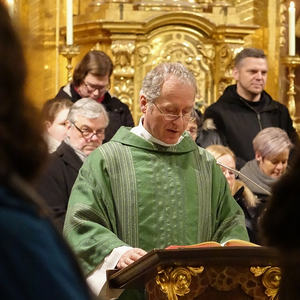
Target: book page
200,245
230,243
238,243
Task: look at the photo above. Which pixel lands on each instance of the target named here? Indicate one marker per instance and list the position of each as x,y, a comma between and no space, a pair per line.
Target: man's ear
68,124
143,104
235,73
258,156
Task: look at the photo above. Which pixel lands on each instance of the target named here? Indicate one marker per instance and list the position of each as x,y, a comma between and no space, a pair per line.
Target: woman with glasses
241,193
91,79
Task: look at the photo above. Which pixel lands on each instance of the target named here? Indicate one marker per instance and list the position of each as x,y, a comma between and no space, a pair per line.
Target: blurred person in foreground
35,262
54,115
91,79
280,228
151,186
85,124
240,192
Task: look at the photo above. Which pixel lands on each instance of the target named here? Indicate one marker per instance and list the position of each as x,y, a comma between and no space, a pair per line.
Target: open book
229,243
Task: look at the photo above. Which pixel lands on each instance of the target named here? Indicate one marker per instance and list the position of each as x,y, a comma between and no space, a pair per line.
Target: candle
10,6
69,21
292,36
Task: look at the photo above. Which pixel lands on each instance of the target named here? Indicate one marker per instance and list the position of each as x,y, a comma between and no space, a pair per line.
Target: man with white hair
150,186
86,123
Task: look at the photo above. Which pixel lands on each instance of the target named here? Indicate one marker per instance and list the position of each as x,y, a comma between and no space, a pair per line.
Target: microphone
238,173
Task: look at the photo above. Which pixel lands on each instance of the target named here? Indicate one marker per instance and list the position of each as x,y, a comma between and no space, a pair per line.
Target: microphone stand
238,173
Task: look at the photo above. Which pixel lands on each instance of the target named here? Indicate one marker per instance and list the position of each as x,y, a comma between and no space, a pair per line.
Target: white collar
143,133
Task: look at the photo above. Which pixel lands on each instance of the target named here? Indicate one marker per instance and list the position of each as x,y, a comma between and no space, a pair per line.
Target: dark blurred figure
280,228
91,79
35,262
208,134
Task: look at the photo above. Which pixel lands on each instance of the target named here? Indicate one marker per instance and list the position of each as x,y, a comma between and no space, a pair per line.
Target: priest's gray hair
271,142
154,80
87,108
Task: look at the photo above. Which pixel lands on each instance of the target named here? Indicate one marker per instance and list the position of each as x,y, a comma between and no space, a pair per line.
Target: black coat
57,180
118,112
238,123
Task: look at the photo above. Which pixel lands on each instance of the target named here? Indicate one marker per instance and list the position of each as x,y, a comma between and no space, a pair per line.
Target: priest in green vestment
150,186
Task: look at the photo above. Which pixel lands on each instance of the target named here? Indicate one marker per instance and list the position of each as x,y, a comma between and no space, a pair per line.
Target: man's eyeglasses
92,88
88,133
170,117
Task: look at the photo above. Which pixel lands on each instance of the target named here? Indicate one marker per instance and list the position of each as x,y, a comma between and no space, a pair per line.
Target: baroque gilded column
123,58
229,40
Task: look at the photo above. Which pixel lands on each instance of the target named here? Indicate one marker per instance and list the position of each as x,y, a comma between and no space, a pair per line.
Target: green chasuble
132,192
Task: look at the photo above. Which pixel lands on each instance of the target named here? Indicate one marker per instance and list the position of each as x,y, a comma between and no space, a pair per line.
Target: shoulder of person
114,102
64,92
228,97
275,103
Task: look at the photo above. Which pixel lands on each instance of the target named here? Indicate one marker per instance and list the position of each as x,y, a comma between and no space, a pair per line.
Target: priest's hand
130,256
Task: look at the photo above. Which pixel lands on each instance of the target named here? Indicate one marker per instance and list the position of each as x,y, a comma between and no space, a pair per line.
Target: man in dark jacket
245,108
86,125
91,78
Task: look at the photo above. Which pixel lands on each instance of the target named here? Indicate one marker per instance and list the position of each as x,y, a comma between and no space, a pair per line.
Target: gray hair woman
272,148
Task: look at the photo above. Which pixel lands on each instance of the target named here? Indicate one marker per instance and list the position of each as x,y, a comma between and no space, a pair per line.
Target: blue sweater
34,261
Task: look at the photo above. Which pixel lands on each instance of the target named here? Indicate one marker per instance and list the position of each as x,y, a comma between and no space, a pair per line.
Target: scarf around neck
252,170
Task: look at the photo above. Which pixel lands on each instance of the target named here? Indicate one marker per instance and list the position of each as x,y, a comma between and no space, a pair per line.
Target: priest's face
167,118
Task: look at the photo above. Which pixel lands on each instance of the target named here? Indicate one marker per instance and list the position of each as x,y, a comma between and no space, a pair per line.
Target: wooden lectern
227,273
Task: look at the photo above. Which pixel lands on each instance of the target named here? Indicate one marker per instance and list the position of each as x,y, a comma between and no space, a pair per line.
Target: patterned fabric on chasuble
132,192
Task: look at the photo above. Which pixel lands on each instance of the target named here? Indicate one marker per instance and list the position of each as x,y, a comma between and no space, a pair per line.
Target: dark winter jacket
57,180
238,122
118,112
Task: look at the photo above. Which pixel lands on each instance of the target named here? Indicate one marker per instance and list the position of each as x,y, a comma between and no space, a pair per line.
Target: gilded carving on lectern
270,278
194,282
176,281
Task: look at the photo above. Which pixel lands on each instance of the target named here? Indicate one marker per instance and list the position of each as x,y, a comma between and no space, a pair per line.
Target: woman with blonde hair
242,194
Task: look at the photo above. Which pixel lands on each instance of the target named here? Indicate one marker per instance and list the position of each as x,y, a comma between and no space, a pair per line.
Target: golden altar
203,34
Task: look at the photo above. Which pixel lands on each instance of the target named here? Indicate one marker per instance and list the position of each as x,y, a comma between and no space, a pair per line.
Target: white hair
271,141
88,108
154,80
